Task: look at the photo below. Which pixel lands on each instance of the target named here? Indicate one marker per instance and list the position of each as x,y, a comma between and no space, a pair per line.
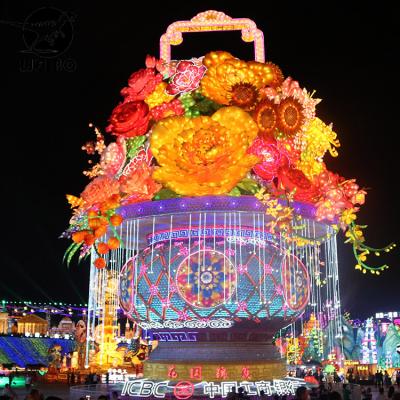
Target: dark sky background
347,52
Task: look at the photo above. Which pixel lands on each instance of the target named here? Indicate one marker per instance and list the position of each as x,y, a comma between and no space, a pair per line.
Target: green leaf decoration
84,257
248,186
165,194
73,244
72,251
234,192
133,145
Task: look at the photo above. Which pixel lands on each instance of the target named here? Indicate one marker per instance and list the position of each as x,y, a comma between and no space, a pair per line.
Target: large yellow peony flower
204,155
231,81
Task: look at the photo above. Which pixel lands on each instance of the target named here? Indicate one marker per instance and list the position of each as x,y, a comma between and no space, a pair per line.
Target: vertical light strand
237,276
103,312
171,223
319,299
328,300
199,259
237,236
224,239
134,261
215,228
240,254
189,248
204,241
264,299
152,245
91,306
337,290
309,264
131,252
259,253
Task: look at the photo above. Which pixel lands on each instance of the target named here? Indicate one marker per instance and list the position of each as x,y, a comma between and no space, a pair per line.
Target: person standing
28,381
346,392
72,378
302,393
387,379
329,380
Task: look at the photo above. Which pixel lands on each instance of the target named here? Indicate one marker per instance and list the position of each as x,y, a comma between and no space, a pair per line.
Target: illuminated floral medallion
206,279
296,282
125,285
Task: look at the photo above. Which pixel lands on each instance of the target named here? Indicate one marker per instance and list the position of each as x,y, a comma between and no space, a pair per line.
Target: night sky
347,53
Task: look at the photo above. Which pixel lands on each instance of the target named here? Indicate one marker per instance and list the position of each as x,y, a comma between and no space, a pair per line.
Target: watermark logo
47,33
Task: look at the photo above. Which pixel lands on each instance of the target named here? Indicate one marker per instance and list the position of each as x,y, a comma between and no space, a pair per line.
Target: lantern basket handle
212,21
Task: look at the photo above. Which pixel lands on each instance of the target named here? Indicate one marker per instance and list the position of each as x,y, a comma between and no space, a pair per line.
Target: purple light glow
216,203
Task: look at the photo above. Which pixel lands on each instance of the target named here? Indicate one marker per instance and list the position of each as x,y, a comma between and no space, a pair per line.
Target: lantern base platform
235,355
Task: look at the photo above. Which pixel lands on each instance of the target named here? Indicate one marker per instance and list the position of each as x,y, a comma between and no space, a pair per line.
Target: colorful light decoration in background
369,354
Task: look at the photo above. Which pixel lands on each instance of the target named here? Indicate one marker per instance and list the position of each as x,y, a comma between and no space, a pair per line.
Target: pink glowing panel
211,21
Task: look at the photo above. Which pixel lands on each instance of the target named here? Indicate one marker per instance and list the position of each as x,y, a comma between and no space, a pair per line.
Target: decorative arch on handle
212,21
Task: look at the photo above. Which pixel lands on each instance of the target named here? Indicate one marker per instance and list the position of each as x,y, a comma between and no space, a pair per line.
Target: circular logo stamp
47,32
183,390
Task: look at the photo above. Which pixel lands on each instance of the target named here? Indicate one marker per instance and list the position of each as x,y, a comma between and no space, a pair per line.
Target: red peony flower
186,78
129,119
270,159
141,84
292,178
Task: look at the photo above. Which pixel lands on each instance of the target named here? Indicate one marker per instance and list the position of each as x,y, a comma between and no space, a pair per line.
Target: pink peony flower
270,157
186,78
113,158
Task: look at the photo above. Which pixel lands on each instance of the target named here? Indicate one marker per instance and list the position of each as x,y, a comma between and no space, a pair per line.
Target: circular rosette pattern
204,155
206,279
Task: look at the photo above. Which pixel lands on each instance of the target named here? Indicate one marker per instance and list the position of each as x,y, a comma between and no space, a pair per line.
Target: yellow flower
231,81
204,155
359,233
314,142
348,216
159,96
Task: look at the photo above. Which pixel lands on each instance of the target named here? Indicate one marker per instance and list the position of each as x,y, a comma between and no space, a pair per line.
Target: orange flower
204,155
89,239
78,237
113,243
100,263
116,220
231,81
100,189
110,203
139,184
102,248
100,231
95,223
